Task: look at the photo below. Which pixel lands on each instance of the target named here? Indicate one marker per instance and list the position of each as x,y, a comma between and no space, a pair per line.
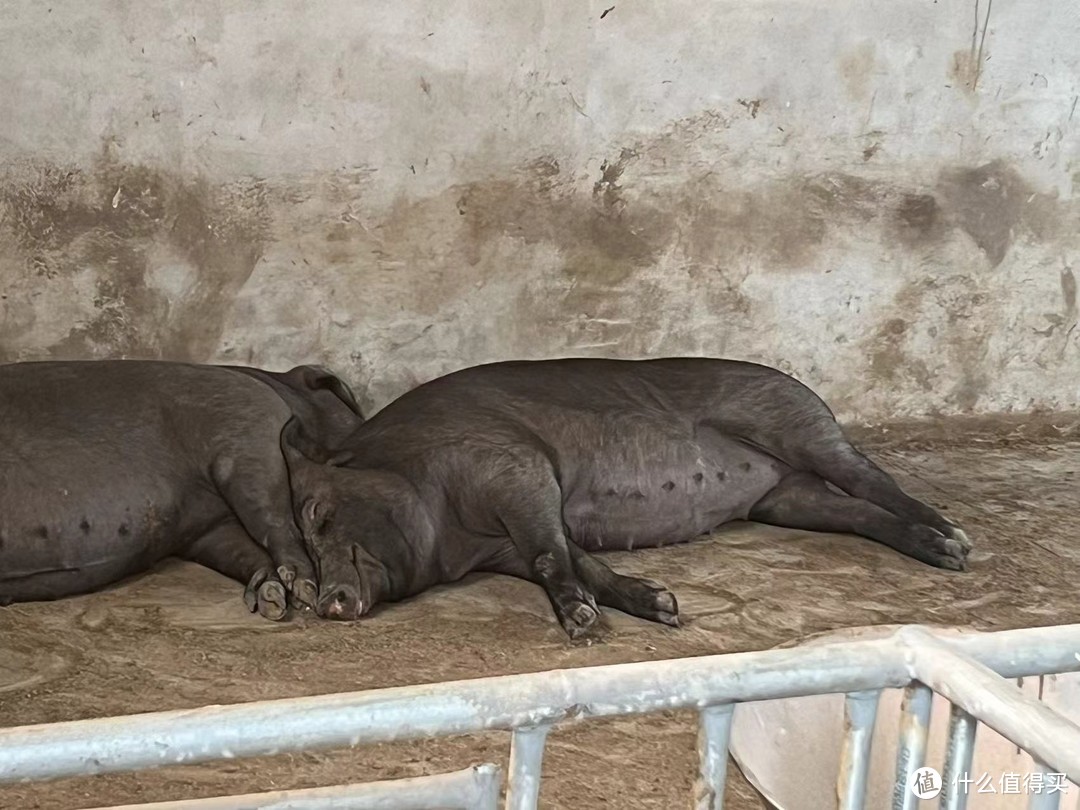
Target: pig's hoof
960,536
646,599
660,605
667,609
287,574
955,556
301,588
272,600
940,551
305,593
254,586
578,618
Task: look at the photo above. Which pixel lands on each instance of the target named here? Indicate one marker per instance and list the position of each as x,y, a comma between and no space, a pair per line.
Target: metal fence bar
348,719
860,713
1000,704
714,735
475,788
526,763
959,751
271,727
911,752
962,668
1018,653
1043,799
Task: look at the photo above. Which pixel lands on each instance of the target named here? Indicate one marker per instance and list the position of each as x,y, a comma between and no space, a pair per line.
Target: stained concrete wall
876,195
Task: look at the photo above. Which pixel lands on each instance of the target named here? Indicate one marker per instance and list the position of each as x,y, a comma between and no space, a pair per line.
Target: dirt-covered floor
180,637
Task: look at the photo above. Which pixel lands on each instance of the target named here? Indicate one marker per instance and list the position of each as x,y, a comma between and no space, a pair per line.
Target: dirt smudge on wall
963,69
94,236
603,236
918,219
621,256
890,360
1068,289
856,69
991,203
938,339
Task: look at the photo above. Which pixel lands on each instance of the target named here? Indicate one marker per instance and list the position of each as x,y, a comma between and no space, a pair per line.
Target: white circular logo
925,783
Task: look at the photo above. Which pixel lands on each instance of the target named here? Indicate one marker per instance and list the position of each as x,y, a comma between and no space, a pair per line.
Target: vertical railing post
860,713
526,763
1043,799
714,734
955,777
914,725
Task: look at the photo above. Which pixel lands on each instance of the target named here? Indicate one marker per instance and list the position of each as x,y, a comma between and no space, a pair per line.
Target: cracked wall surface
875,196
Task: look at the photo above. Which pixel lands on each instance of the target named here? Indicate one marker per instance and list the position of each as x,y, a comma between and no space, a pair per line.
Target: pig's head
354,523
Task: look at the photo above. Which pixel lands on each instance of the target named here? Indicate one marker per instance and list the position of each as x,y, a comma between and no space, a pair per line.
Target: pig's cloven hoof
960,536
934,548
305,593
578,618
272,600
648,599
302,588
266,594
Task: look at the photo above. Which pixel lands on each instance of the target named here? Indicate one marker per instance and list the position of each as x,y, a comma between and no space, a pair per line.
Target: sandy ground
180,637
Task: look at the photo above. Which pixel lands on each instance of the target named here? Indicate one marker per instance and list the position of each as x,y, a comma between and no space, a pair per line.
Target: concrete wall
876,195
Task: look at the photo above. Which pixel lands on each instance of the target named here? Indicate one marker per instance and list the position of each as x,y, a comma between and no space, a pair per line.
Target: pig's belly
80,534
630,500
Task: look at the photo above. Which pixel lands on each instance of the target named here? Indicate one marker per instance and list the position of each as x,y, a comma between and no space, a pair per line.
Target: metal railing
970,670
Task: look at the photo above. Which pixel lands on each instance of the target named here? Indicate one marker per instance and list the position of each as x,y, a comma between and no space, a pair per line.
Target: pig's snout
340,603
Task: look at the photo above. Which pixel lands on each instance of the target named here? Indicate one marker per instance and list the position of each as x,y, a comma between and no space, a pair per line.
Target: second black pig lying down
526,468
109,466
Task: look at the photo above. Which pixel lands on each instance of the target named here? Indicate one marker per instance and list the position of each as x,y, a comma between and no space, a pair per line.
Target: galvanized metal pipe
860,712
334,721
911,752
714,736
1044,799
1019,653
526,764
474,788
1000,704
959,751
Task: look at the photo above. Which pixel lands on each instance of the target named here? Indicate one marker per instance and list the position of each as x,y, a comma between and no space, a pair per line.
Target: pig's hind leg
776,413
637,597
803,501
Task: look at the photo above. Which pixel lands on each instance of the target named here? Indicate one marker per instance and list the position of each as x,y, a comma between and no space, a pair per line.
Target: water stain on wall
856,69
91,235
963,69
603,237
153,262
918,220
610,232
938,340
992,202
890,360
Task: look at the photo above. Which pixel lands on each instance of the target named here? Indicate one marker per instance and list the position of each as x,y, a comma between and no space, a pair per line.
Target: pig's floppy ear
315,378
297,445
